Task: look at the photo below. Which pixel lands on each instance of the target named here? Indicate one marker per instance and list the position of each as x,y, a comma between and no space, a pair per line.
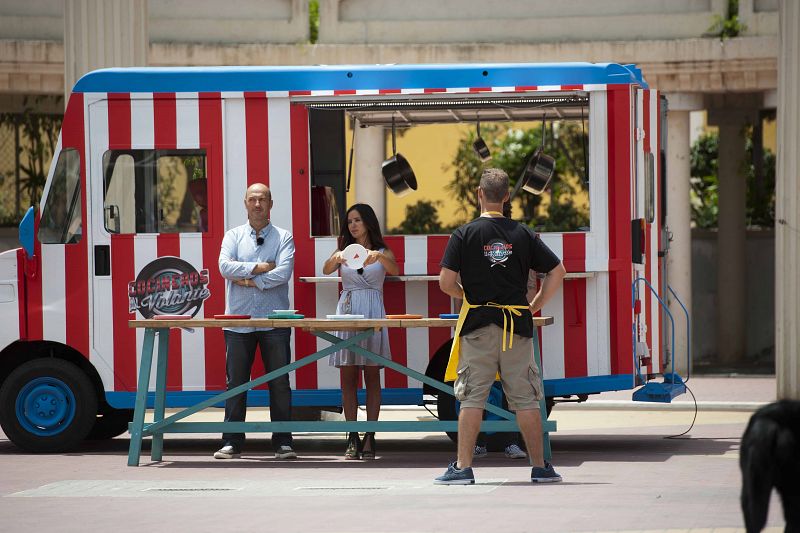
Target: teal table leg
548,453
156,451
135,449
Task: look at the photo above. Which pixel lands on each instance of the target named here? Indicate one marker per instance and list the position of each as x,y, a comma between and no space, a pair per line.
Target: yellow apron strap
451,373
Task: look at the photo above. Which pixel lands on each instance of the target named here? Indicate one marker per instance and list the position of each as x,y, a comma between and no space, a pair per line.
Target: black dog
770,457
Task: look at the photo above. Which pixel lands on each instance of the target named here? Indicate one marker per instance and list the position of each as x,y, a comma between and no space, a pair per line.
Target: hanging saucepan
480,146
397,172
538,172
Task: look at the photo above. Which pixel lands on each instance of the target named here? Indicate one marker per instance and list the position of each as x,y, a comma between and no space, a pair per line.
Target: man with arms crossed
493,255
256,260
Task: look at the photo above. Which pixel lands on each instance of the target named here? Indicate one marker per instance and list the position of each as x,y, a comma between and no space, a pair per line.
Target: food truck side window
61,216
155,191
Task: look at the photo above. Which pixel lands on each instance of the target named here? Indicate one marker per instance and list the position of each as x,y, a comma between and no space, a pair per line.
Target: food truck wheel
110,424
47,405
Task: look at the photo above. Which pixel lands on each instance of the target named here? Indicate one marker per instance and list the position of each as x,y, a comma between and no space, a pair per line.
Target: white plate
284,312
355,255
344,317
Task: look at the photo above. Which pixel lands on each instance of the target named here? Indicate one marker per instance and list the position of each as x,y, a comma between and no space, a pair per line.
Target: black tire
47,405
110,424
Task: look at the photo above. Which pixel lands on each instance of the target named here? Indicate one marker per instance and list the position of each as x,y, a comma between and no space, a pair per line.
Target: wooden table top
325,324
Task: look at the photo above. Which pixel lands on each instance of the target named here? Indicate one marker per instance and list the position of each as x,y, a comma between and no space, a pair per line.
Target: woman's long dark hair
370,222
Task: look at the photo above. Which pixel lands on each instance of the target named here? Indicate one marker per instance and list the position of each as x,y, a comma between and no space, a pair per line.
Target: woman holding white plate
363,261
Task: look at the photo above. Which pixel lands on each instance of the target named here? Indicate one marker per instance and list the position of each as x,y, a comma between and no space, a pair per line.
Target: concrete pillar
369,153
787,206
103,33
679,217
731,271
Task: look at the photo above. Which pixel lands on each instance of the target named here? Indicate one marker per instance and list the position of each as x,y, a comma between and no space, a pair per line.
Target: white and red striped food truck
150,171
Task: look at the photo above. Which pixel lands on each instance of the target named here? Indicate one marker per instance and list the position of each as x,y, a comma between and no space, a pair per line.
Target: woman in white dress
362,294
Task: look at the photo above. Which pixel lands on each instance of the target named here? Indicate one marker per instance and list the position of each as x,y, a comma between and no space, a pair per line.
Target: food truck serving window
155,191
61,216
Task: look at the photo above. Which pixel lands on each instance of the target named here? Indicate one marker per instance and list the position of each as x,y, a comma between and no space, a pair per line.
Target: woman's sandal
369,441
353,446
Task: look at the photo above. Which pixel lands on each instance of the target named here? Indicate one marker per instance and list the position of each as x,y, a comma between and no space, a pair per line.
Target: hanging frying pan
397,172
480,146
538,171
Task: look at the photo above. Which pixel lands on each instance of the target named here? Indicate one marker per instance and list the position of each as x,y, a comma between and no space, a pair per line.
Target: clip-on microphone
259,241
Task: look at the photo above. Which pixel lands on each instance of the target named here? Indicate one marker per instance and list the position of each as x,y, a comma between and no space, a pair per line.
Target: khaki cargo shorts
482,356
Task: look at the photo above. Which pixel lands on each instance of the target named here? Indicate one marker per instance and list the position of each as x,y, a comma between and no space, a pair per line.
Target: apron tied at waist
509,311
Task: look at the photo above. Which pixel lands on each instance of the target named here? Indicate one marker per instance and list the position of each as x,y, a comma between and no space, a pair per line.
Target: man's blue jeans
275,353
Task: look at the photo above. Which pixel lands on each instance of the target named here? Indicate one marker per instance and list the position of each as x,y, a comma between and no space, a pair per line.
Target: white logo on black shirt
497,251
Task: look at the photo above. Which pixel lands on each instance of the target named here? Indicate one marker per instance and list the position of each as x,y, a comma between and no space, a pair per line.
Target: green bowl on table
285,314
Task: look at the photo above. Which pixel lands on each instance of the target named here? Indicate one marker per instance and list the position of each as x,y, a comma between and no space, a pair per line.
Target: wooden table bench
321,328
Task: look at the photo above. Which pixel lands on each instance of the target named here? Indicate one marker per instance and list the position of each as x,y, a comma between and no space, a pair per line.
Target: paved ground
620,472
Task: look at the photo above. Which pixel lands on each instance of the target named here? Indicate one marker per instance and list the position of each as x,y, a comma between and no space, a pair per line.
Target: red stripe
575,349
22,295
526,87
165,136
577,87
122,261
119,120
255,106
344,91
304,260
390,91
165,121
479,89
33,269
394,298
76,255
438,302
299,93
619,201
436,247
210,110
437,90
257,150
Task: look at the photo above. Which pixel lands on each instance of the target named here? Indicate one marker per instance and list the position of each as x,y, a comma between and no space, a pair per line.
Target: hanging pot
397,172
480,146
538,172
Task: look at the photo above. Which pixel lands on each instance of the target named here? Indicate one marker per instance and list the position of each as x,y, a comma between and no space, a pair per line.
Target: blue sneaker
480,451
546,474
455,476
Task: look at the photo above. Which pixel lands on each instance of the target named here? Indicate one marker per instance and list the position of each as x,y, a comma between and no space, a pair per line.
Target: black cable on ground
693,419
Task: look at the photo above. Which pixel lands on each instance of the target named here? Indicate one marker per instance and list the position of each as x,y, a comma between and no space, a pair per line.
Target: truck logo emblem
168,286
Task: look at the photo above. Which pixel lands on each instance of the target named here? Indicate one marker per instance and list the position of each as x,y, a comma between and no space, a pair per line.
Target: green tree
728,26
704,192
421,218
511,148
38,137
704,185
313,21
760,186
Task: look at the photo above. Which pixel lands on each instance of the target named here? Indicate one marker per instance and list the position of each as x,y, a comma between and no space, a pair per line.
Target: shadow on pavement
425,452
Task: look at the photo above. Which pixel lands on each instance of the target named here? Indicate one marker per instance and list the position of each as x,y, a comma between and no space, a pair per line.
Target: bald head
258,202
258,188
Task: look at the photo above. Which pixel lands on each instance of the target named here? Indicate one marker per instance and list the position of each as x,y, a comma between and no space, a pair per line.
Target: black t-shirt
494,256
